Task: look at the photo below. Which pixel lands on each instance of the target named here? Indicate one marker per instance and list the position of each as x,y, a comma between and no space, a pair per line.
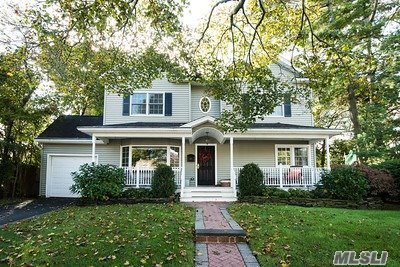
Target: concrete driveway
31,208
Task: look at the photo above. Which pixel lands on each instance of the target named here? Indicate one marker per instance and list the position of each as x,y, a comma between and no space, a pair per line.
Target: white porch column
233,178
183,165
328,154
93,149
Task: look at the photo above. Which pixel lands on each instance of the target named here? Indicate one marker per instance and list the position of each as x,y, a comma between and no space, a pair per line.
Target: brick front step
220,236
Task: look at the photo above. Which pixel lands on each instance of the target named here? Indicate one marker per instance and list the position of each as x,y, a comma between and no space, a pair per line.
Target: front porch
201,155
282,176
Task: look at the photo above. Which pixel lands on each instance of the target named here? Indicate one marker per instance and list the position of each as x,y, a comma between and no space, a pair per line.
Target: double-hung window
147,104
292,155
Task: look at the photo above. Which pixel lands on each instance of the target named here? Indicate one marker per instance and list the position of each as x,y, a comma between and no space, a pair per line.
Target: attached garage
59,169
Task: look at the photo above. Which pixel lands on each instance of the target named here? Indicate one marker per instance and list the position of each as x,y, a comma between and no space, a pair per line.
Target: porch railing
284,176
142,177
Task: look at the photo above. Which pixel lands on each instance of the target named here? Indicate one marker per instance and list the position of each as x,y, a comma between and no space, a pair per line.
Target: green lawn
312,235
118,235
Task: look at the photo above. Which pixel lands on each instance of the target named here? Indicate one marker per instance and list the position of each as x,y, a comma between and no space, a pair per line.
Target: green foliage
393,167
362,95
381,182
343,182
99,182
281,193
264,92
250,180
275,192
24,112
300,193
137,193
163,184
160,16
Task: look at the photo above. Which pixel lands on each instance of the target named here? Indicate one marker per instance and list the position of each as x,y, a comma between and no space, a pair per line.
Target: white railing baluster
283,176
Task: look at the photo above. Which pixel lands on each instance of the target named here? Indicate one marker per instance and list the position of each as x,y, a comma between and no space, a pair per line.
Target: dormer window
205,104
147,104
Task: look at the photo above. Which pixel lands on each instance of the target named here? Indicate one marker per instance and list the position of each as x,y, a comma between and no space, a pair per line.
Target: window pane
301,156
174,156
139,98
148,157
125,156
138,103
155,109
284,155
138,109
278,111
155,98
156,103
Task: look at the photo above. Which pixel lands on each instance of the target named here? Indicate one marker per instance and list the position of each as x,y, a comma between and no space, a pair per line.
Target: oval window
205,104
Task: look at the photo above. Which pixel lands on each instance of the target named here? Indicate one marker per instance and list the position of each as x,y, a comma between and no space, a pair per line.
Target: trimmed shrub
381,183
163,184
393,167
275,192
99,182
343,182
137,193
250,180
300,193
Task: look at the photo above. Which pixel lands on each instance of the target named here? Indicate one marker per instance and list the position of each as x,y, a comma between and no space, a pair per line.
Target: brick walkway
224,255
220,254
212,216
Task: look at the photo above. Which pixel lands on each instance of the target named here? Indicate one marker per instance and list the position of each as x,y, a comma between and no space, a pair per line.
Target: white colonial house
175,124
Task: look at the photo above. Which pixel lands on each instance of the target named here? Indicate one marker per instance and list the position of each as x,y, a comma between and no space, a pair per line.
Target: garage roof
66,127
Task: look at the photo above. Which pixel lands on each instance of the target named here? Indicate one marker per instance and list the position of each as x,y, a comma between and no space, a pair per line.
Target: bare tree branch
209,19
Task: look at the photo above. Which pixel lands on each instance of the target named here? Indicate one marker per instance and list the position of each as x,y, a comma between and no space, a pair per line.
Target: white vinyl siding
180,105
197,93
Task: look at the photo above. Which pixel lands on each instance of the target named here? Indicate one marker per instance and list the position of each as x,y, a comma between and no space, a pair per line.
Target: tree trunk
352,101
17,174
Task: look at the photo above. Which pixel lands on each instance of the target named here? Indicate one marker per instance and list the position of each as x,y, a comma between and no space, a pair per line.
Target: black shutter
125,105
168,104
287,107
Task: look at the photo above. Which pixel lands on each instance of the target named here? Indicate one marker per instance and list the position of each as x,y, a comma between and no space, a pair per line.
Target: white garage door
59,178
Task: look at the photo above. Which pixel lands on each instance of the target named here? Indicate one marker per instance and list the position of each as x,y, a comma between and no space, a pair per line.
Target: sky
197,10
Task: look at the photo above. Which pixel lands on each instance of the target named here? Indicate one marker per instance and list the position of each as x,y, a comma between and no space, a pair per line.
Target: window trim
209,101
292,155
151,146
278,116
147,104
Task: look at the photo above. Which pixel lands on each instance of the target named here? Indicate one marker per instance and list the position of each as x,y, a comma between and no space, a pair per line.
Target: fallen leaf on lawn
267,248
287,247
183,252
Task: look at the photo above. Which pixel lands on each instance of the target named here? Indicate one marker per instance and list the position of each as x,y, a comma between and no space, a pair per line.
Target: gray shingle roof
66,126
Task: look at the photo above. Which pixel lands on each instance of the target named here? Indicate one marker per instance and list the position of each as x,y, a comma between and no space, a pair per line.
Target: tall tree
24,110
351,69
